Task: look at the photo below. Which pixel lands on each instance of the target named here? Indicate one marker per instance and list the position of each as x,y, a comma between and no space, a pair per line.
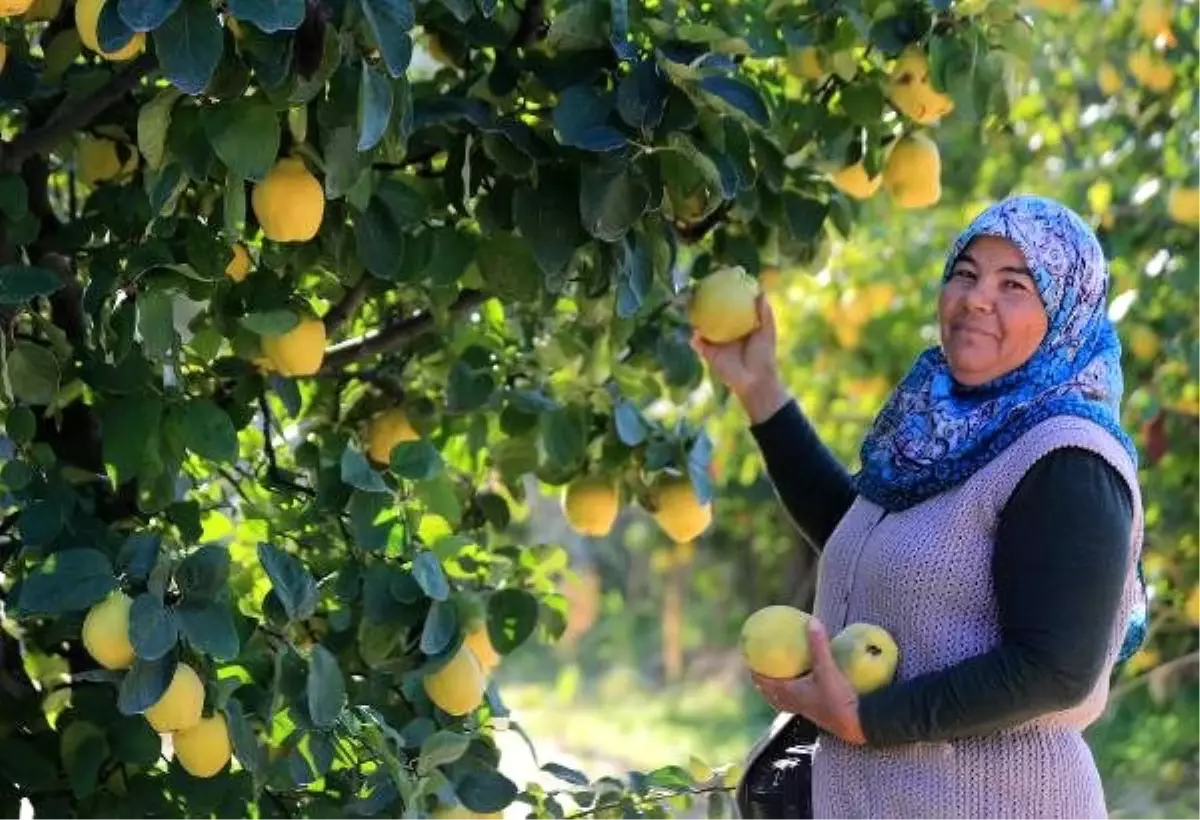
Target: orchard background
248,246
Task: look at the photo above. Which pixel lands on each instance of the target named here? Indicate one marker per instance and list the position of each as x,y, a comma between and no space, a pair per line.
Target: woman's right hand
748,366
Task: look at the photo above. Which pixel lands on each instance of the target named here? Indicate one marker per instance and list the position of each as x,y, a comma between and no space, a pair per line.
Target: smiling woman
990,313
994,531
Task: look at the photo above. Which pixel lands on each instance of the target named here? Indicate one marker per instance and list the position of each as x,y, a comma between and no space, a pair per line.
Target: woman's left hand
824,695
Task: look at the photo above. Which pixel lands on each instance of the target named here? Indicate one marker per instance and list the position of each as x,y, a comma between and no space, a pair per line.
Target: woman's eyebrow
966,257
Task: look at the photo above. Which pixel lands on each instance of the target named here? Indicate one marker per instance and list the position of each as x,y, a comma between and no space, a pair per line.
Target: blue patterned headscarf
933,434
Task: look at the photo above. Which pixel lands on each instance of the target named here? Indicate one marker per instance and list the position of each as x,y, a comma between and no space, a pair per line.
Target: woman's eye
965,273
1016,284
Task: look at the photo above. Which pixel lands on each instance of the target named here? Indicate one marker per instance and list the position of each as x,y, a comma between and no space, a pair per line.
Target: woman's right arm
813,485
815,489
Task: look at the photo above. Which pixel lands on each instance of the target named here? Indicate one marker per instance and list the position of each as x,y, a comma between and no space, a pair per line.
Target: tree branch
695,231
340,313
74,114
393,337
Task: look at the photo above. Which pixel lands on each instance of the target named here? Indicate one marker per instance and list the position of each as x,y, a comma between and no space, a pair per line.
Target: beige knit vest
924,574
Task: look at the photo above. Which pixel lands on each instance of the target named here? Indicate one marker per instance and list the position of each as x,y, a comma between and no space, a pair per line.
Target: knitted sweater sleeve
1059,565
814,487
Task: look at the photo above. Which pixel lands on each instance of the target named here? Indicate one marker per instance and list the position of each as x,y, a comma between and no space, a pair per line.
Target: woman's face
990,313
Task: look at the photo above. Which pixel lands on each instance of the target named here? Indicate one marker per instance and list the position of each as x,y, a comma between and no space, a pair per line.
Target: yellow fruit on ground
205,749
106,632
591,505
480,644
1151,71
300,351
1109,79
1183,204
911,92
774,642
385,430
87,16
12,8
913,172
239,266
723,305
180,706
853,180
677,510
806,63
97,160
457,688
867,655
289,203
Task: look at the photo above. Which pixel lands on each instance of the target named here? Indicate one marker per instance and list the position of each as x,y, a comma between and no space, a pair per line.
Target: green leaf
84,749
234,204
245,133
270,322
326,687
427,570
453,251
291,582
374,107
152,628
441,625
209,627
188,46
112,32
207,430
738,96
154,120
485,791
512,617
146,15
439,498
391,21
440,748
577,27
863,101
358,472
14,196
138,554
20,283
468,388
548,217
134,741
33,373
804,216
20,426
564,436
580,120
67,581
507,265
379,241
156,323
567,775
611,200
269,15
246,747
642,96
416,460
203,574
131,439
635,276
372,517
631,428
145,683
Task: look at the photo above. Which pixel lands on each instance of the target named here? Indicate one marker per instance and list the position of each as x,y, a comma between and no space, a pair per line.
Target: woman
994,530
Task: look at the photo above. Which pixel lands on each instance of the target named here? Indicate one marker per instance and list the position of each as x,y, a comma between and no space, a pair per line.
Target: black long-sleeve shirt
1058,570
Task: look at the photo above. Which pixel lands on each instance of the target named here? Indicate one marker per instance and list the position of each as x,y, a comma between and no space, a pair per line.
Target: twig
340,313
698,230
264,410
74,114
234,482
393,337
650,797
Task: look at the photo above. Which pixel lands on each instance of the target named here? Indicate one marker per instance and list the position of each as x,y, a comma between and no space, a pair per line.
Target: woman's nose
979,297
